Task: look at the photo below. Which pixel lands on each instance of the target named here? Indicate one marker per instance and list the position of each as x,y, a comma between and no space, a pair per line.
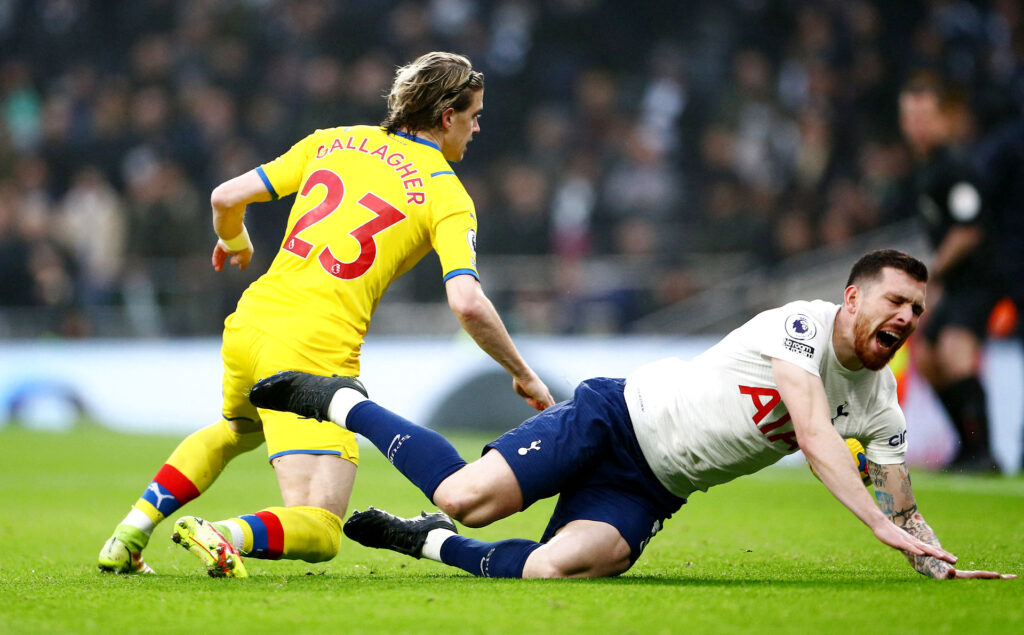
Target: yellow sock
193,466
202,455
295,533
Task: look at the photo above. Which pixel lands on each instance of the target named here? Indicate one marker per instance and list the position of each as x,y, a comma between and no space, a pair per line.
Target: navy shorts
585,451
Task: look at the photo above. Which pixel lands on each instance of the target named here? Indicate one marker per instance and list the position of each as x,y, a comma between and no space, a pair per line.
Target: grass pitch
769,553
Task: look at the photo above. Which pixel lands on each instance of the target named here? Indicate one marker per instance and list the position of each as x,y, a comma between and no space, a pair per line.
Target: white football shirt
706,421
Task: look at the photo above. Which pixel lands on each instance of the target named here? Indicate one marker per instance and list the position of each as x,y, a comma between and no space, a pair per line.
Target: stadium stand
634,156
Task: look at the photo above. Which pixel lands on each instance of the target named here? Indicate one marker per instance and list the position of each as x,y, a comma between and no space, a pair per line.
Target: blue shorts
585,450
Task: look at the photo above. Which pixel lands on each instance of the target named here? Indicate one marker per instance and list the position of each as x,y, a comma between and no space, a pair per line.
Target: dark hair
427,87
870,266
925,81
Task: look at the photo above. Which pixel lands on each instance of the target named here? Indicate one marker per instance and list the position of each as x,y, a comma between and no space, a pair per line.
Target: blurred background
656,168
633,154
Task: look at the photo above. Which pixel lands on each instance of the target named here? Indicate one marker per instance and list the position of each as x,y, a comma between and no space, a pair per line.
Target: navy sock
423,456
502,559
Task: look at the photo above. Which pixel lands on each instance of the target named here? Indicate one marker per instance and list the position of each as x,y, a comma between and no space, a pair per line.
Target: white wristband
240,242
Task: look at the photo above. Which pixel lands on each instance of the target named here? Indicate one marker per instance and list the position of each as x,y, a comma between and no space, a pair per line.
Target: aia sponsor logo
776,432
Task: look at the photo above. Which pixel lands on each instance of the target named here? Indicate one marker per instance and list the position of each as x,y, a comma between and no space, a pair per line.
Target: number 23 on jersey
386,216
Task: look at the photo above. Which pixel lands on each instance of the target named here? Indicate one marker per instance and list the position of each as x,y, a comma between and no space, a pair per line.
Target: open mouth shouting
888,340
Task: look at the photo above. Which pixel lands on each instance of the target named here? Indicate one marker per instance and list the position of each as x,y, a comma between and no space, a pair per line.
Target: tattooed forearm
903,517
885,502
877,473
926,565
904,479
896,500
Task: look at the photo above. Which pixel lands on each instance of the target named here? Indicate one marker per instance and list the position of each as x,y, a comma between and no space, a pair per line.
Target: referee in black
1000,158
963,285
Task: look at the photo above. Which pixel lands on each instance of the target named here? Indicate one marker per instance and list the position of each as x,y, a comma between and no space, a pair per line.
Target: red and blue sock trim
267,535
169,490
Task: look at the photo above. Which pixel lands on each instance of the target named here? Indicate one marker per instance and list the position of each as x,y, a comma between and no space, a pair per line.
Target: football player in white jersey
624,454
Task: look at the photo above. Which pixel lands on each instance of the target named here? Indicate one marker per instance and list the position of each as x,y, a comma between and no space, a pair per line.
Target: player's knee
612,562
242,425
322,530
557,562
325,553
619,565
544,568
467,507
601,567
456,503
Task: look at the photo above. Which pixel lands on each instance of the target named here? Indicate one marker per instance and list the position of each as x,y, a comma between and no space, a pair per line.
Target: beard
865,345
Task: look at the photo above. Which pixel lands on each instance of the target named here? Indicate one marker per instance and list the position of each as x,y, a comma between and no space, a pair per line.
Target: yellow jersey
368,206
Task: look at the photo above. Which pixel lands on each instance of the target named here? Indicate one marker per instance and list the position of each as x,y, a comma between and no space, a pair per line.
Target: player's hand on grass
897,538
221,253
534,391
960,574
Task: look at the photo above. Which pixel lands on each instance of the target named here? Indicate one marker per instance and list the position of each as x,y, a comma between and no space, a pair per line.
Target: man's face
465,124
887,312
921,120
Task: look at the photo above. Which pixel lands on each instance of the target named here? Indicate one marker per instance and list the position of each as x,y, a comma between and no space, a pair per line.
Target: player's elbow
469,304
220,198
468,312
812,441
235,193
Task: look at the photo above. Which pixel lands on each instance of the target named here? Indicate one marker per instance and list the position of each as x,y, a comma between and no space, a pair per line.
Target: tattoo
896,500
877,474
885,502
905,483
903,517
925,565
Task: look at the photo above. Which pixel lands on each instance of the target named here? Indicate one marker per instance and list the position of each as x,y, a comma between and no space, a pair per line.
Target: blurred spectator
1001,159
676,130
731,227
167,249
963,284
16,284
572,207
520,221
90,224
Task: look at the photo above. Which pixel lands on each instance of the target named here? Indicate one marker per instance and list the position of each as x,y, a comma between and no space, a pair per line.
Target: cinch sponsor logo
898,439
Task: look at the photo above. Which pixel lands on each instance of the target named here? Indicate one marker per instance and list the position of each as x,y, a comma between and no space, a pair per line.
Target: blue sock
420,454
502,559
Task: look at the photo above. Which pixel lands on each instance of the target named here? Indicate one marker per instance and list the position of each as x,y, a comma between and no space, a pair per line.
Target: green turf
771,553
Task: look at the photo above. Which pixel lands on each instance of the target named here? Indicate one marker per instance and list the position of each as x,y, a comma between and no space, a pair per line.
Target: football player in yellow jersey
370,202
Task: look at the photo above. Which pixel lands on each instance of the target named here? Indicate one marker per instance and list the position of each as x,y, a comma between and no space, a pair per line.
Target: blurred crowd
668,140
